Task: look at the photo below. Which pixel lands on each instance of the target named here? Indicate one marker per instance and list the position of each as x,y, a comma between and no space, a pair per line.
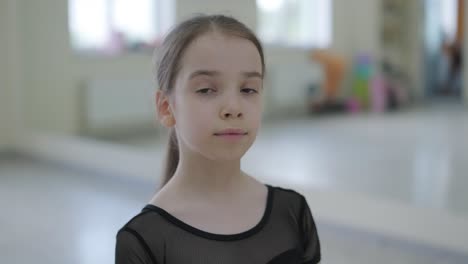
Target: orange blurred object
334,67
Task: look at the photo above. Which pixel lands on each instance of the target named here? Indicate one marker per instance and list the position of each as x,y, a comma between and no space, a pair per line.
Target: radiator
111,107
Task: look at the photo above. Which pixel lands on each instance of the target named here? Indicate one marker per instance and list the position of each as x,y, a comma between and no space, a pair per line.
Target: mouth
231,137
231,132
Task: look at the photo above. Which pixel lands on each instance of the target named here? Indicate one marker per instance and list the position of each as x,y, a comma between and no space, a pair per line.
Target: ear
164,110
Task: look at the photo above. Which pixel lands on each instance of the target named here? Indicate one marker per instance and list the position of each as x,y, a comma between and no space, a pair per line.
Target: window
449,14
305,23
112,26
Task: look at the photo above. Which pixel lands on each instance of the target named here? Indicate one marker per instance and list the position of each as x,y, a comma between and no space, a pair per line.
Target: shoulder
288,194
288,198
132,242
142,222
136,221
148,228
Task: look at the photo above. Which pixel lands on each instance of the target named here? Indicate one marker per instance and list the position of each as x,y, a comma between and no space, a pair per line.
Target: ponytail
172,157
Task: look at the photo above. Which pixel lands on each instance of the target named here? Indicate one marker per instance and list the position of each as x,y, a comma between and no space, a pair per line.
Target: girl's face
218,87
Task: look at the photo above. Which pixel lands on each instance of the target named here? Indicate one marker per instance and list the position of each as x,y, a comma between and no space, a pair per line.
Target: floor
417,157
53,213
60,215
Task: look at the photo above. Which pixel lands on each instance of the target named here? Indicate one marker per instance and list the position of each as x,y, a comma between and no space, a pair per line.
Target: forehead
220,52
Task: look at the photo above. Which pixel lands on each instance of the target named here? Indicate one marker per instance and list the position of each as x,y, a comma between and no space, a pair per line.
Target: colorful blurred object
334,67
362,74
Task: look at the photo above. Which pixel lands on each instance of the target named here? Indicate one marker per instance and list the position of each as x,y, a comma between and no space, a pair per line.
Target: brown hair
169,55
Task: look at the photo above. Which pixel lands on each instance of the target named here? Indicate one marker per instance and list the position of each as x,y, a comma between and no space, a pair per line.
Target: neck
199,175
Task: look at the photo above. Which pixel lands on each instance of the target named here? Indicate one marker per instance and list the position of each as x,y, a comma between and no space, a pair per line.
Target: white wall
356,26
51,73
5,132
48,99
10,71
244,10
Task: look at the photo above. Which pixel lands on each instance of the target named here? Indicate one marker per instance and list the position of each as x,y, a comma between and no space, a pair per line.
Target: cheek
194,117
255,110
198,111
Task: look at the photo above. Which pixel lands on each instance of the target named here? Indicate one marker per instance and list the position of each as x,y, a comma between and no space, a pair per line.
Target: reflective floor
61,215
418,157
53,213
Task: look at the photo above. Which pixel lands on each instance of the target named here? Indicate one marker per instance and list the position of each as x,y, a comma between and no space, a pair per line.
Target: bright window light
305,23
116,25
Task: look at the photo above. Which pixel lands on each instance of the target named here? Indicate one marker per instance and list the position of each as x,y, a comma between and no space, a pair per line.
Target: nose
231,109
228,114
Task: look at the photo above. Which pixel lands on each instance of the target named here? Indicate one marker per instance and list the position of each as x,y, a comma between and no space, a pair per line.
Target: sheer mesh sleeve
310,239
131,248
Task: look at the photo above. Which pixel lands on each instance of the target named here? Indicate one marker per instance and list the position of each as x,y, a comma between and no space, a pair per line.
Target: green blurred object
362,74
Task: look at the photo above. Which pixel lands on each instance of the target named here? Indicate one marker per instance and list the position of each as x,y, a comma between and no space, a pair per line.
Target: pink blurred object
379,100
353,105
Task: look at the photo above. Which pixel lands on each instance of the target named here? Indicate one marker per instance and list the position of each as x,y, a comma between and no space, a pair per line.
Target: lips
231,131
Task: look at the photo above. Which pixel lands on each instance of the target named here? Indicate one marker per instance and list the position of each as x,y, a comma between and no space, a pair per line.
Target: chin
227,155
223,153
228,158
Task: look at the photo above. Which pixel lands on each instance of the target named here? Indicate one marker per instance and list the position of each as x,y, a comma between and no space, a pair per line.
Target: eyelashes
211,91
249,90
206,91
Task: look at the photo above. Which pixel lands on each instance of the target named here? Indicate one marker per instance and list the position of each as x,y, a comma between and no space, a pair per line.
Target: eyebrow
252,74
249,74
204,72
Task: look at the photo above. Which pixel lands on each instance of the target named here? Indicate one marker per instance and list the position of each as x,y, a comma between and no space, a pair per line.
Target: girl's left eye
206,91
249,90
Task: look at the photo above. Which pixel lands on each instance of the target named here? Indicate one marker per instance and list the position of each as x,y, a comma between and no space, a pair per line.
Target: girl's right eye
206,91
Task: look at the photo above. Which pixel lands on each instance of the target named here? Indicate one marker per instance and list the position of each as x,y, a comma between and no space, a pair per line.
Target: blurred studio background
366,114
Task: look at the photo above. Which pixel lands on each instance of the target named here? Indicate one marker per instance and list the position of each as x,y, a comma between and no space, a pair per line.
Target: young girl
210,71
